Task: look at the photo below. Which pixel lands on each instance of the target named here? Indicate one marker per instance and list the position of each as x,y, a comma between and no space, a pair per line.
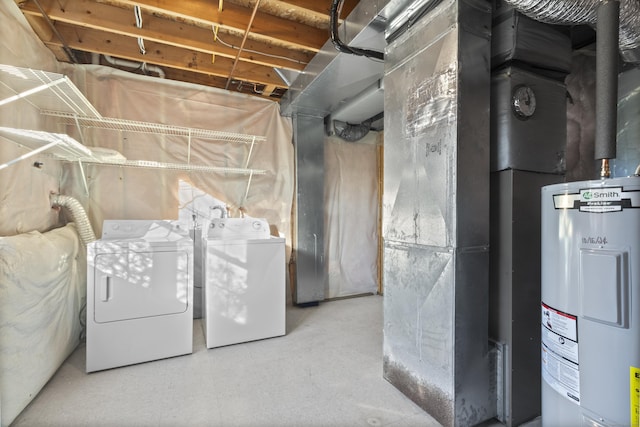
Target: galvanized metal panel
515,286
420,138
516,37
434,350
436,213
537,143
475,394
426,123
419,326
331,77
309,148
417,310
472,125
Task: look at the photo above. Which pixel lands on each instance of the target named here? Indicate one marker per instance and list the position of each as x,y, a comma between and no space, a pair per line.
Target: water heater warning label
560,365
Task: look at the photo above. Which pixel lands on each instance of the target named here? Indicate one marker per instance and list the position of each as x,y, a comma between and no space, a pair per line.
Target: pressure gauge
523,101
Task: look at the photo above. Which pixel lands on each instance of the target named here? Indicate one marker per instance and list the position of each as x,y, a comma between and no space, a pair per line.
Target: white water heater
590,306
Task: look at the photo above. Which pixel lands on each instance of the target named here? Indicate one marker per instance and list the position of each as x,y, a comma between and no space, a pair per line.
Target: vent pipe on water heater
607,83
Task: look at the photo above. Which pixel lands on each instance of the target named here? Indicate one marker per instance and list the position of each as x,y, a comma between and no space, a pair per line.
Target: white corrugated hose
78,215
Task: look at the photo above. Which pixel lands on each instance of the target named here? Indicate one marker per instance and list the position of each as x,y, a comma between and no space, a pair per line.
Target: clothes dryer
139,293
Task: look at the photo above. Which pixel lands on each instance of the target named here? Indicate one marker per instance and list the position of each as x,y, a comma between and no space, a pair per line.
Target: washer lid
148,230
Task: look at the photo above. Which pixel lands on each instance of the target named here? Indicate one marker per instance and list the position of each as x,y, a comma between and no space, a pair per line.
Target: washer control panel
238,228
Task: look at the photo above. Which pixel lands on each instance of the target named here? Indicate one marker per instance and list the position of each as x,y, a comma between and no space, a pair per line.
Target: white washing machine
139,293
244,282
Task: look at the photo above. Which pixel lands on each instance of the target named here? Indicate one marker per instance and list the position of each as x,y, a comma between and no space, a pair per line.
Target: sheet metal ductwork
581,12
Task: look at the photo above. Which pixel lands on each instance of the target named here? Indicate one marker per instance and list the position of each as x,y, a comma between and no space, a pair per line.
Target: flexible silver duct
584,12
78,215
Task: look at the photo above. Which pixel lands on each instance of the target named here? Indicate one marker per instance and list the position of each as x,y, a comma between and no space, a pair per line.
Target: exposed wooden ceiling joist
111,19
234,17
87,39
179,36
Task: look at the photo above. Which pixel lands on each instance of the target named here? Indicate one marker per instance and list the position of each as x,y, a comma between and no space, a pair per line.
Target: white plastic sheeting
131,193
42,289
114,192
351,216
120,192
24,190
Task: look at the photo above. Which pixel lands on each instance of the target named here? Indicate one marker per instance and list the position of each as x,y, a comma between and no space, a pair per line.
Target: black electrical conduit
335,38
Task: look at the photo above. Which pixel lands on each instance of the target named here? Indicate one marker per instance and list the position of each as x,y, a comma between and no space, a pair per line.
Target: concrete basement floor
327,371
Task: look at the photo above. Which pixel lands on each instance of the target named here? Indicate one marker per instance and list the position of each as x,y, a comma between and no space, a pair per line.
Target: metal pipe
133,64
244,39
607,82
282,76
605,169
222,209
65,46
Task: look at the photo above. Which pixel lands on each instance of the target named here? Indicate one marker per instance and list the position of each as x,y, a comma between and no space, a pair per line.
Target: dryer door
131,284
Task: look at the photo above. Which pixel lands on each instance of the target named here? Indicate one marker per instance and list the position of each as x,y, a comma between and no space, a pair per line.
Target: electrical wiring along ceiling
240,45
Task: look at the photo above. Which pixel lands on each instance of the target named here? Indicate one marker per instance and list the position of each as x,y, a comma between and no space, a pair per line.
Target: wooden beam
268,90
40,27
210,80
236,17
163,55
43,30
108,18
322,7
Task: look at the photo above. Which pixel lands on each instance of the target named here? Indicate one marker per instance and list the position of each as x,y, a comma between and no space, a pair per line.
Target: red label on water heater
560,364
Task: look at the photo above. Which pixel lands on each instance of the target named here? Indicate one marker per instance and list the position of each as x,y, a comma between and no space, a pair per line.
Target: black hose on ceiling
335,38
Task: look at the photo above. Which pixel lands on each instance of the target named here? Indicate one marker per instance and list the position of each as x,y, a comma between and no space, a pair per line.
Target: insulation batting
581,119
628,151
42,289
